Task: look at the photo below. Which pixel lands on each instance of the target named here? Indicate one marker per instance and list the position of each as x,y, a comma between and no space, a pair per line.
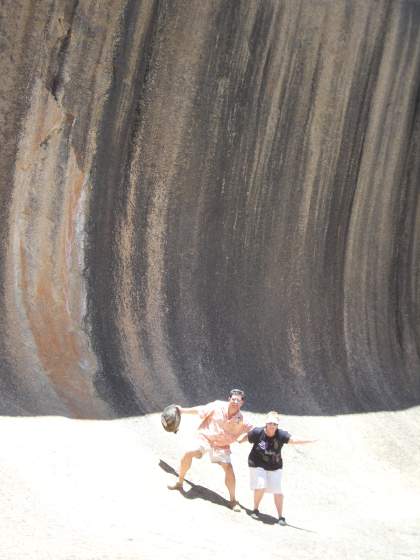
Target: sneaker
176,486
255,514
234,506
282,521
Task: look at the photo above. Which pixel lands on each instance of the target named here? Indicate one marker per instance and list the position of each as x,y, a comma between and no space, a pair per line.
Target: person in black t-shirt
265,461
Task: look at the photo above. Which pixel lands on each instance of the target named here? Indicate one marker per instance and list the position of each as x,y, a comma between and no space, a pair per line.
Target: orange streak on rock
53,307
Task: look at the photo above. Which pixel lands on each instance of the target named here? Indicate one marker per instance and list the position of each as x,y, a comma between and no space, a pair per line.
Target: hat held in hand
171,418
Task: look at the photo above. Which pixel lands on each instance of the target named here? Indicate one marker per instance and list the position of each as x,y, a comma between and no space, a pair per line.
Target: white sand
94,490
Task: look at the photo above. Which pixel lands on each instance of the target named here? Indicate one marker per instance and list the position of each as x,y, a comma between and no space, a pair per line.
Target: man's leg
186,461
230,482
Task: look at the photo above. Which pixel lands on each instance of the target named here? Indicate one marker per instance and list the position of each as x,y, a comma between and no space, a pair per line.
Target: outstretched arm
297,440
192,410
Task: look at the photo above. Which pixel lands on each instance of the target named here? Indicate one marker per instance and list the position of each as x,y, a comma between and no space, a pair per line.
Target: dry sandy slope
96,490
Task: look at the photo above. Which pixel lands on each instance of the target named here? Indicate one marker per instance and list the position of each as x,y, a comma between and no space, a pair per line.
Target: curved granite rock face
198,195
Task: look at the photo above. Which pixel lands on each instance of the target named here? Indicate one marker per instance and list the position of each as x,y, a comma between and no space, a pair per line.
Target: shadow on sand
201,492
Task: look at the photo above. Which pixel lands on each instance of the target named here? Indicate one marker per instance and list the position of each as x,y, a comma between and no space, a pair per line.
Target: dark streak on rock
112,165
57,65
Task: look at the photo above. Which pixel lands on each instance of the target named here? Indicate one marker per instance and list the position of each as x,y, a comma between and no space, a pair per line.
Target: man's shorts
216,454
270,481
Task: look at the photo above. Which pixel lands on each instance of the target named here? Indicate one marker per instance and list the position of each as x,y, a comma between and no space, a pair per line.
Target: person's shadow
196,491
201,492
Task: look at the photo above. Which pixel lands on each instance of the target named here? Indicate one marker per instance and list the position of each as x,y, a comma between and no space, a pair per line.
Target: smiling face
270,428
271,423
236,400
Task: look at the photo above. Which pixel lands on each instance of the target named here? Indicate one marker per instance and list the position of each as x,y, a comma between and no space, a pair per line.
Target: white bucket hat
272,419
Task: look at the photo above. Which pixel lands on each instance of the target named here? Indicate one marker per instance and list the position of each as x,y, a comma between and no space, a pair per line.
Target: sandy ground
96,490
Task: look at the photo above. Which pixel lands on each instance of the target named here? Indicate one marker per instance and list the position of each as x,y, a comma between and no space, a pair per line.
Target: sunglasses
236,395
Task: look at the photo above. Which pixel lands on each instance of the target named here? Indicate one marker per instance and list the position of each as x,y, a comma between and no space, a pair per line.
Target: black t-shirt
266,451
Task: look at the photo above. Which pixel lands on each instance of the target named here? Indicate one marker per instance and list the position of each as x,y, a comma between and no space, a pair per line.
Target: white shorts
216,454
270,481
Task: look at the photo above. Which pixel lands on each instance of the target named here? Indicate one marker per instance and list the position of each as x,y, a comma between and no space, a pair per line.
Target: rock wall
199,195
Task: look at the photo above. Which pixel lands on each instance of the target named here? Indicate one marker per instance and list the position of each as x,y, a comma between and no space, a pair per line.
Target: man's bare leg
230,482
185,465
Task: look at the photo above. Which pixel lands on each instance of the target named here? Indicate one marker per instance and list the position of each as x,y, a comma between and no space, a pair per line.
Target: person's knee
192,454
229,472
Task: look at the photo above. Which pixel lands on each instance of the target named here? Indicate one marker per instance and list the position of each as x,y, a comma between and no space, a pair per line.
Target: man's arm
243,438
248,429
192,410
